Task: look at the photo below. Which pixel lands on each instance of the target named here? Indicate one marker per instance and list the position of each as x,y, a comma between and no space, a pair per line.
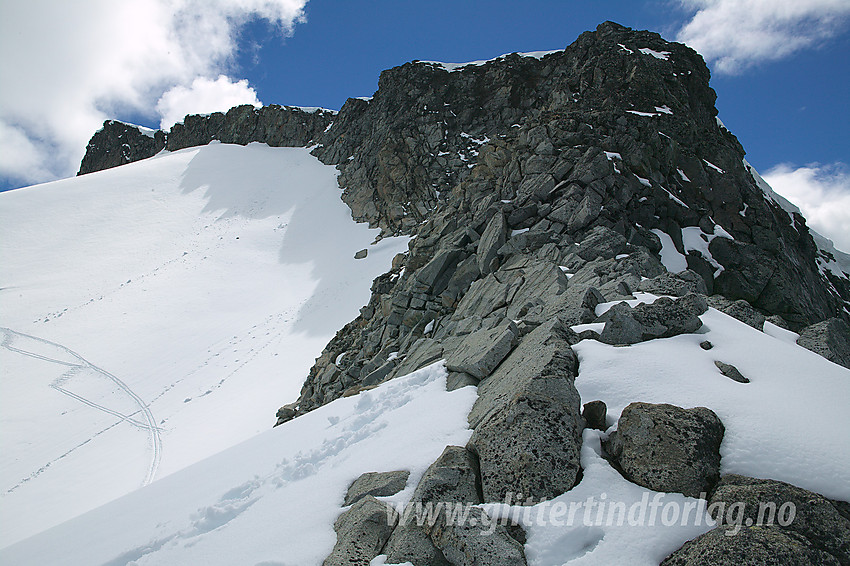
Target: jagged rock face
118,144
278,126
580,183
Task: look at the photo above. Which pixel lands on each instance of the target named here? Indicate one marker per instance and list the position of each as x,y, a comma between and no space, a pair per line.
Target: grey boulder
668,448
532,446
753,546
474,542
663,318
675,284
450,479
740,309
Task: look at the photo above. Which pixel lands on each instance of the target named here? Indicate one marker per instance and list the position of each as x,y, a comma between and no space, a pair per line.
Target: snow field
157,313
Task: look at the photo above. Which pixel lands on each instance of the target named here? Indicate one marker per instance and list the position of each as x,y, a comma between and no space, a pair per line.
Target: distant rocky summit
538,187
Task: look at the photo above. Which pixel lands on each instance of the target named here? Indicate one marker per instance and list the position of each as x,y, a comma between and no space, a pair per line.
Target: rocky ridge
538,187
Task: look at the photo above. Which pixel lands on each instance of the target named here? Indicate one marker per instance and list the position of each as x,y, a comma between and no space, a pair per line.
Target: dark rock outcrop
278,126
117,144
667,448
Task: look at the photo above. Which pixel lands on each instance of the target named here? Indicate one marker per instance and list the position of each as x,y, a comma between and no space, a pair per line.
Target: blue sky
781,69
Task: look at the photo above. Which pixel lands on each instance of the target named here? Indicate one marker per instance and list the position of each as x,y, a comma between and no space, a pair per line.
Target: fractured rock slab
479,353
376,484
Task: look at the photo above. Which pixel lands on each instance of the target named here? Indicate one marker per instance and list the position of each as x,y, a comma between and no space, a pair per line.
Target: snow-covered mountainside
154,314
607,342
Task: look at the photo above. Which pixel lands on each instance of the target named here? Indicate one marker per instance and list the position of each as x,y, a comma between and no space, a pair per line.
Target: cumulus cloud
823,194
203,96
735,34
67,66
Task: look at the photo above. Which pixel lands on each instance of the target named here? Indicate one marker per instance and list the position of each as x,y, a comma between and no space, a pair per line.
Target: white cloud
735,34
823,194
204,96
67,66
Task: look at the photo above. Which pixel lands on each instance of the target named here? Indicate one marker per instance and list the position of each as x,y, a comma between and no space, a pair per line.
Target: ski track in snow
149,423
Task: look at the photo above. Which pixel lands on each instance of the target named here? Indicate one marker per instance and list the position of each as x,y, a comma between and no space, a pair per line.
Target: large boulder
361,533
532,445
663,318
830,339
476,541
668,448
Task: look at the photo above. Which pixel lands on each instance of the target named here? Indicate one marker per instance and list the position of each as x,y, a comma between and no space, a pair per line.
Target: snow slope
154,314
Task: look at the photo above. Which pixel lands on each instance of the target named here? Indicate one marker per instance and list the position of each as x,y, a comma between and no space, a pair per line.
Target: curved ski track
149,422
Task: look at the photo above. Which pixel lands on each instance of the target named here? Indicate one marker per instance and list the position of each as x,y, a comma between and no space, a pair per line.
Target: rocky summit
537,187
